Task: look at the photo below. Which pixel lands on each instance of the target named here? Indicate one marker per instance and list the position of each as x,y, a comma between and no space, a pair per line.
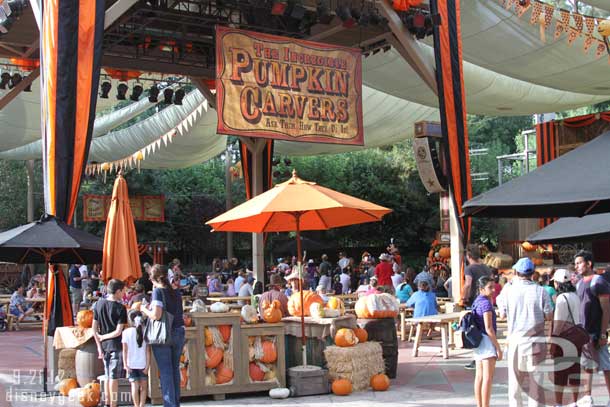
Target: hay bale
66,365
357,363
498,260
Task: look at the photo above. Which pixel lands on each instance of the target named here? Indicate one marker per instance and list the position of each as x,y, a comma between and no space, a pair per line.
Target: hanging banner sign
288,89
148,208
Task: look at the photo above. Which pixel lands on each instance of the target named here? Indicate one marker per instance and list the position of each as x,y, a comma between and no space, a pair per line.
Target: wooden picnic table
229,299
444,321
352,296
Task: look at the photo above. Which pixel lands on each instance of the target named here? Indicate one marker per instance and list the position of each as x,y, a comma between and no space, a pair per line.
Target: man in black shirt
109,319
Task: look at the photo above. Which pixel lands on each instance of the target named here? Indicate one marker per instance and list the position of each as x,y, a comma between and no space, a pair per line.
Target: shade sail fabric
273,211
70,60
575,184
497,40
121,258
601,4
27,243
566,230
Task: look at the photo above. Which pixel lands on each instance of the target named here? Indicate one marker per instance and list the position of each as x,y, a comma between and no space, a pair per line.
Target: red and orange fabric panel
246,165
546,151
58,306
71,51
452,102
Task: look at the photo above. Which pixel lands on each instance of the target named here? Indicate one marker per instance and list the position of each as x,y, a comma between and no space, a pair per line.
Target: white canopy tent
508,70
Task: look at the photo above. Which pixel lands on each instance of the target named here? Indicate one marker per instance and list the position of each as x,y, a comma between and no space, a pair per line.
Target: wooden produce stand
195,380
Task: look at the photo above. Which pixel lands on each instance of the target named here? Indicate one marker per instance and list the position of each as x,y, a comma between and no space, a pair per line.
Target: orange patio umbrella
297,205
121,256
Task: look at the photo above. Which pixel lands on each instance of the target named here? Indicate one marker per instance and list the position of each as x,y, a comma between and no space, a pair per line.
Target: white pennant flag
200,107
205,105
181,128
158,143
170,136
189,119
165,137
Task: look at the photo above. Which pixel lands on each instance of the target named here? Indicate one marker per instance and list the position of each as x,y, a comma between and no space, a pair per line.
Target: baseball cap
250,279
561,276
524,266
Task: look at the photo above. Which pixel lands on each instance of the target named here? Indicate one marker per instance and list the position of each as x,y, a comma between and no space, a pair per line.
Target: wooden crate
195,341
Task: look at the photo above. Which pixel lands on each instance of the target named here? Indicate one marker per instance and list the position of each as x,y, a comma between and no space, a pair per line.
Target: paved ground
427,380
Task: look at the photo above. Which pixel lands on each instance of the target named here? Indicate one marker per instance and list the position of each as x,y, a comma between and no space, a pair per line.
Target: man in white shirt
526,305
397,279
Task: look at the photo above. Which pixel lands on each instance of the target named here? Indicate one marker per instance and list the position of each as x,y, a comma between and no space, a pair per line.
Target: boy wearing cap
526,305
594,293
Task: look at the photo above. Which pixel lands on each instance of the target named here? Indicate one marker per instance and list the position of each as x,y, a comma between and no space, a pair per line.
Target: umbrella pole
299,260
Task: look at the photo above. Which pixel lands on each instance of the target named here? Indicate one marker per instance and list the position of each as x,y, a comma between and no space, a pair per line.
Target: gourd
272,313
335,303
317,311
256,373
219,307
279,393
213,356
249,314
89,396
209,338
66,385
361,334
223,374
225,331
445,252
269,352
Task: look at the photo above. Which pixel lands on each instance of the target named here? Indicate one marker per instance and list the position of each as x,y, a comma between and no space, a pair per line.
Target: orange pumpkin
95,386
376,306
528,247
445,252
188,320
223,374
84,318
89,396
225,331
345,337
361,334
66,385
269,352
341,387
256,373
272,313
209,338
309,297
213,356
380,382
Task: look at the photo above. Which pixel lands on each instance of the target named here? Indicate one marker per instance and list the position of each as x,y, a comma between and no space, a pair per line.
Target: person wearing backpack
165,298
489,350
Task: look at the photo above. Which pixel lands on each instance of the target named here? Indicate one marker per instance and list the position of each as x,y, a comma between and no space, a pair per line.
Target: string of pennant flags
134,160
594,30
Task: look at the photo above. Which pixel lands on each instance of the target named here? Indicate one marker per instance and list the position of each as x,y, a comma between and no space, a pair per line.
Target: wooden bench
443,321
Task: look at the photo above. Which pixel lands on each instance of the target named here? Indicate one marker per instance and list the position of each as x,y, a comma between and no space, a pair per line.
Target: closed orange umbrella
121,257
297,205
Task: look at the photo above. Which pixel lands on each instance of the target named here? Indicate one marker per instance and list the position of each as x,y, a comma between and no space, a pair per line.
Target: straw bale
356,363
66,365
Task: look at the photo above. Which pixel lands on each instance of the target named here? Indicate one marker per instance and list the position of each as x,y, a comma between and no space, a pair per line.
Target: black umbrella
566,230
50,240
573,185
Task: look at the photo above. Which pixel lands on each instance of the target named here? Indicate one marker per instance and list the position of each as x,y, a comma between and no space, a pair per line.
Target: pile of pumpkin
346,337
262,355
534,252
88,396
218,354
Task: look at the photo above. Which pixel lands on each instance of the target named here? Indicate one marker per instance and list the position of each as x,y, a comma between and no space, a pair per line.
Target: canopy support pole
256,147
457,253
407,47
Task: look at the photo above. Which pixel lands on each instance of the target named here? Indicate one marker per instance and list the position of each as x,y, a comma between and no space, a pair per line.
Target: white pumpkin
249,314
332,313
316,310
279,393
219,307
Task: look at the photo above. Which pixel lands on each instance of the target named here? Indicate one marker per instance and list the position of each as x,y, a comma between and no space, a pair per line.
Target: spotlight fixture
153,94
178,96
5,78
15,79
167,96
105,88
136,92
121,91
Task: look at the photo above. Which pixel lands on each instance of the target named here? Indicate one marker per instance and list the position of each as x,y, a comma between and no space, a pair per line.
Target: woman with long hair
489,350
164,297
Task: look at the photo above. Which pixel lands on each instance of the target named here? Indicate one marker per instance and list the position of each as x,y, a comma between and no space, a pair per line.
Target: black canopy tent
592,227
573,185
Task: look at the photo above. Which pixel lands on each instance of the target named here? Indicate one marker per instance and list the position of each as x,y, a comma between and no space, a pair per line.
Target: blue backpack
471,334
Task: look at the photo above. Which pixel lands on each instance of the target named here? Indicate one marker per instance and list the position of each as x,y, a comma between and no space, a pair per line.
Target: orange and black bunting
71,51
452,102
59,306
545,152
246,165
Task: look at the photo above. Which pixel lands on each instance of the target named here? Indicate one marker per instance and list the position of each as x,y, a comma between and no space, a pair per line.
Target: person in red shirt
383,272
